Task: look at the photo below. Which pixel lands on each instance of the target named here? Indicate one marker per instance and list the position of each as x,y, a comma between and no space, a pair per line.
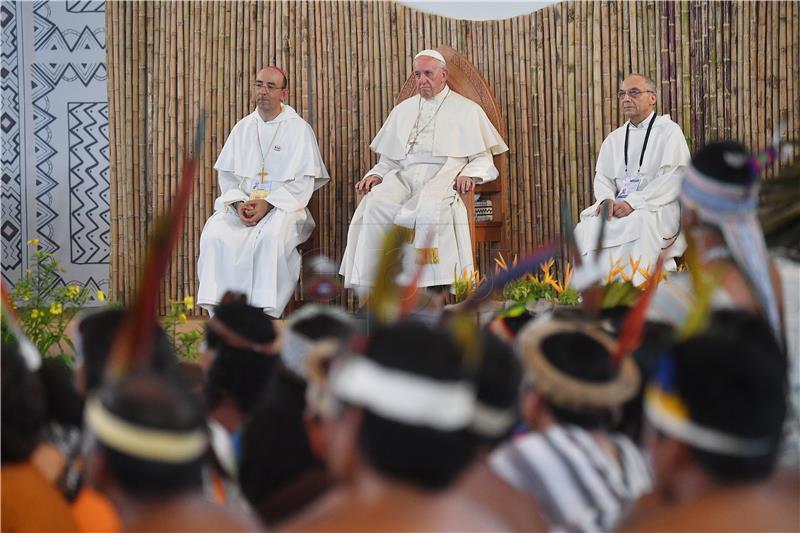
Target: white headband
150,444
296,347
703,438
492,422
404,397
431,53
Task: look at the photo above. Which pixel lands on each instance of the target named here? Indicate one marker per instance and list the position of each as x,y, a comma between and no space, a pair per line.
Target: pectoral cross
258,193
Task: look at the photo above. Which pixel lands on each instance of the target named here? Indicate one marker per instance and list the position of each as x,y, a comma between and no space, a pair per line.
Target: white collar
438,97
643,124
280,116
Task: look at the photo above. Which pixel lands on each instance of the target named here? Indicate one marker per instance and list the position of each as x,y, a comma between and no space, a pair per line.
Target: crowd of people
333,421
330,421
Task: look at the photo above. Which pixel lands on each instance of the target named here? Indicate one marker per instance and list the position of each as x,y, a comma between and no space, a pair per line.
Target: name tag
631,185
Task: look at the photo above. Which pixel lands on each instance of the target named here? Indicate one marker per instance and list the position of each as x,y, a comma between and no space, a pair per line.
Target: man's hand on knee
366,184
252,211
622,209
610,209
464,184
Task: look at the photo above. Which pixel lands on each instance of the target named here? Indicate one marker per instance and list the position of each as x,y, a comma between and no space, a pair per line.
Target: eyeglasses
633,93
257,85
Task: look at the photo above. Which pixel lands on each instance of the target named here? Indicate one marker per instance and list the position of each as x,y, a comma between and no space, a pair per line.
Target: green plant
185,343
45,305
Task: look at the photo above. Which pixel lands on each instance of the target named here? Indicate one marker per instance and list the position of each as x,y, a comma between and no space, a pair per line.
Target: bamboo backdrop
725,70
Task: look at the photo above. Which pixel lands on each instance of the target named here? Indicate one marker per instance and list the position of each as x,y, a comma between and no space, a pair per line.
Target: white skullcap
431,53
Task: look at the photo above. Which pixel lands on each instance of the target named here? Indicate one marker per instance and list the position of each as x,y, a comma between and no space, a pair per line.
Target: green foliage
45,305
185,343
620,293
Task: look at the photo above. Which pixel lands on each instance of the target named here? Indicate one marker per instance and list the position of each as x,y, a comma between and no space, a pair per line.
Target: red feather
134,341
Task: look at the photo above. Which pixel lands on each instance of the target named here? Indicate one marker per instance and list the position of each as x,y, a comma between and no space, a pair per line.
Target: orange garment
28,502
94,513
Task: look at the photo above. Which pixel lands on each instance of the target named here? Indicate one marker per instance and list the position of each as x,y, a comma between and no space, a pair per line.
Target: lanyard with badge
632,181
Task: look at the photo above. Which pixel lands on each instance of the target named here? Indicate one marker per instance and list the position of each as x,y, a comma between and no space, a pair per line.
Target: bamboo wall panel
724,70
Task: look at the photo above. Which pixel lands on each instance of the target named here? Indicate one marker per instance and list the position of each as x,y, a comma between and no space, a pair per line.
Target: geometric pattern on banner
11,224
61,187
88,182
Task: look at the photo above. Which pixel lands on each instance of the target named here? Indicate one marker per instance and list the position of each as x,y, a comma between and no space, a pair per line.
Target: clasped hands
618,209
252,211
463,184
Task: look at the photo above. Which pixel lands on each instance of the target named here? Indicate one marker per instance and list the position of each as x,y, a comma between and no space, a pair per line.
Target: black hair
726,162
64,403
428,458
98,331
733,378
322,326
275,448
498,379
237,373
585,359
158,402
23,407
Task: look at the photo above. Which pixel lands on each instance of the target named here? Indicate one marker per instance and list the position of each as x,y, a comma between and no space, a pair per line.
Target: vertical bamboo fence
724,70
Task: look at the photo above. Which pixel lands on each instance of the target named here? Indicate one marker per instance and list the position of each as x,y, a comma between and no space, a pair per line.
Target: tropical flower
188,301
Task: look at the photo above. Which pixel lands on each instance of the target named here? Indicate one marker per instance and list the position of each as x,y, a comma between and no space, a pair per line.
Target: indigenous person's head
241,357
497,384
570,377
719,201
637,97
717,404
715,169
270,90
430,72
149,438
404,407
94,337
23,407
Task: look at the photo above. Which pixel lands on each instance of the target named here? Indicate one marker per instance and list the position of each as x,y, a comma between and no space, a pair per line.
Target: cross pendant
262,174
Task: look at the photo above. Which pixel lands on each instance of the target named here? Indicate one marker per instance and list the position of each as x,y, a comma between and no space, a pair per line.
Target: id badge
631,185
259,189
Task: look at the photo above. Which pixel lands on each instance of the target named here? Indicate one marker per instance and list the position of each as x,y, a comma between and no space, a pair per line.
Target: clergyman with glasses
268,169
638,177
432,146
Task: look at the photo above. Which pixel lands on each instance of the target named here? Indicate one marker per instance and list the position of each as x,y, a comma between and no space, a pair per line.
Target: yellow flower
73,291
188,301
182,317
35,313
55,308
101,296
33,242
26,298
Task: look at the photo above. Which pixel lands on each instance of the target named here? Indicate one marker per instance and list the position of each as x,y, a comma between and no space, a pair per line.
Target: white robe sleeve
480,167
292,195
229,184
666,186
384,166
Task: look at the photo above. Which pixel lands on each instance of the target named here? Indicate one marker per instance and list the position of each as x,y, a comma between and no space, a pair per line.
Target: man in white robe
638,175
432,147
268,169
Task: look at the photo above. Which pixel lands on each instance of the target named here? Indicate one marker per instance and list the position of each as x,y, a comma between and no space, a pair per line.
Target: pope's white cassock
652,191
261,261
423,146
